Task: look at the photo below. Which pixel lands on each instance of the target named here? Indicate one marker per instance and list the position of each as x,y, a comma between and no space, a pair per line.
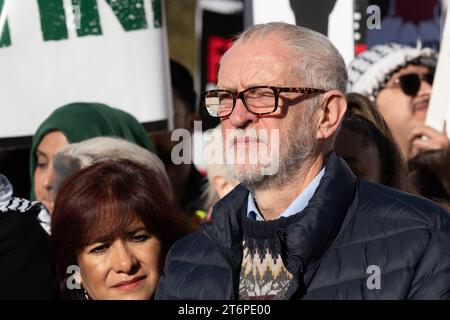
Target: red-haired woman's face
124,268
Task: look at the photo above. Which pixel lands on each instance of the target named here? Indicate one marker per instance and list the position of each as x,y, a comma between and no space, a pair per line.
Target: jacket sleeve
432,277
195,270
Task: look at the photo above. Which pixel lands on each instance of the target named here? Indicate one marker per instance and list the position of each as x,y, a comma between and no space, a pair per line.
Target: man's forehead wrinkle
243,68
261,71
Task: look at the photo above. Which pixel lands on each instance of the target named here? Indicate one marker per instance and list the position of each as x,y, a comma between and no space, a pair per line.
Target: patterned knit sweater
263,275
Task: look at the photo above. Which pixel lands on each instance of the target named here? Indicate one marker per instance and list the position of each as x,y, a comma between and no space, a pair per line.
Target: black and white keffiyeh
10,204
369,72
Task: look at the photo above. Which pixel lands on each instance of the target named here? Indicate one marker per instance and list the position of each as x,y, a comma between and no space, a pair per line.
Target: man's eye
99,249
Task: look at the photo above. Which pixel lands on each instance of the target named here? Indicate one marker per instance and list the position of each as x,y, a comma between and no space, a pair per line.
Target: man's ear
332,111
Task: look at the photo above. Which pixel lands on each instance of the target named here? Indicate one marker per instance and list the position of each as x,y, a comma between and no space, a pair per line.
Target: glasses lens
410,84
429,77
219,103
260,100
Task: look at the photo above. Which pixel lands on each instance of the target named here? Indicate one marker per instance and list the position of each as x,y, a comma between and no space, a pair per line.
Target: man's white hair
77,156
319,64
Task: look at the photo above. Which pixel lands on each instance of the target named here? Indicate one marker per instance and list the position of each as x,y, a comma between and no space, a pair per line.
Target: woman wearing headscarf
72,123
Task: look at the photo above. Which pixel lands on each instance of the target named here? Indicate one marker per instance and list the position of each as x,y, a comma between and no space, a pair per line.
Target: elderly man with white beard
311,229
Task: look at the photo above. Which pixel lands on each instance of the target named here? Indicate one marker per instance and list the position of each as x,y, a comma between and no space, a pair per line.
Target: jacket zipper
299,267
298,262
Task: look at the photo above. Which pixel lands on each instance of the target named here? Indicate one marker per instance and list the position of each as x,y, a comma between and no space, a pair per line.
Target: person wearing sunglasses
300,225
398,79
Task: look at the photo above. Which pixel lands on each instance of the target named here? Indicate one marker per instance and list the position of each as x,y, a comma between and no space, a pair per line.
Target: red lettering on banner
360,48
217,46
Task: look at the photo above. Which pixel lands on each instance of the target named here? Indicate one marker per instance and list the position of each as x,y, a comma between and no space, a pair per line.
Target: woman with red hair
111,229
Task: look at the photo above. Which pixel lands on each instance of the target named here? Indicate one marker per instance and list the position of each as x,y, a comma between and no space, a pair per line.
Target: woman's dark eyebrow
100,240
110,238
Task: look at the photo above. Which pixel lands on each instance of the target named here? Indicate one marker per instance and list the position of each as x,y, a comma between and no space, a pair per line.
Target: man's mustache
420,104
234,136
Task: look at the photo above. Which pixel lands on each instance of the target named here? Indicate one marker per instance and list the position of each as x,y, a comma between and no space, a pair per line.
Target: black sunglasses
410,82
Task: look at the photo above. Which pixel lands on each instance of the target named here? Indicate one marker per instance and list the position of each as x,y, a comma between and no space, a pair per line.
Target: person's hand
426,138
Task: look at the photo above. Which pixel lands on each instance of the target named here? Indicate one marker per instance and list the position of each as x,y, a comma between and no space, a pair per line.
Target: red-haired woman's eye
99,249
140,237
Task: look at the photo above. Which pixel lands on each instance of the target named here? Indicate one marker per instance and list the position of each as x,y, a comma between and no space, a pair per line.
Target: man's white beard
279,165
246,162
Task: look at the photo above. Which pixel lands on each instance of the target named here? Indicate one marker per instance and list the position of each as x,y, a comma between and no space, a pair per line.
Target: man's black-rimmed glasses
258,100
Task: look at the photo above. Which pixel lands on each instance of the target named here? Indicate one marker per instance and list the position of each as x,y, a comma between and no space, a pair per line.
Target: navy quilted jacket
355,240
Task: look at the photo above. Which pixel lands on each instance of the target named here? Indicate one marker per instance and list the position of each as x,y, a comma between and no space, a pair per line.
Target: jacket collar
317,226
306,237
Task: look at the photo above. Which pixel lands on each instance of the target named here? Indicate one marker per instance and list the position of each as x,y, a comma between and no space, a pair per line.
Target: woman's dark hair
376,132
394,172
361,105
430,175
101,201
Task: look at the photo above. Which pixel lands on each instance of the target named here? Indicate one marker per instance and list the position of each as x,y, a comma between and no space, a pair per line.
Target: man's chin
246,173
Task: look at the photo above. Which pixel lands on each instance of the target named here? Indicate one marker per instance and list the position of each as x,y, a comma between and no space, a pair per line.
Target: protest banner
55,52
439,109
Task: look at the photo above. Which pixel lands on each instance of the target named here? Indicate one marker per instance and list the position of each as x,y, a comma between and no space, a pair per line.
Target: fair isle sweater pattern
263,275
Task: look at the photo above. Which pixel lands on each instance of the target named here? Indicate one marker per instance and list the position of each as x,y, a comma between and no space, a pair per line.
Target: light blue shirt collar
295,207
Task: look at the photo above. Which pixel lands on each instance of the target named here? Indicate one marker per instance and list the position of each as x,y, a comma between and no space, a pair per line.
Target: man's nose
241,117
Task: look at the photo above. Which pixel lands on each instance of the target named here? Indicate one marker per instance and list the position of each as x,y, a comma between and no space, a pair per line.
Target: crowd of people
360,182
